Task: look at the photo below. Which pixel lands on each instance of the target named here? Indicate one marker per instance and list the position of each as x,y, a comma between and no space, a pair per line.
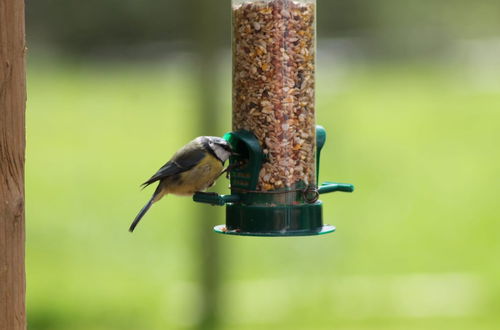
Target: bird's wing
182,161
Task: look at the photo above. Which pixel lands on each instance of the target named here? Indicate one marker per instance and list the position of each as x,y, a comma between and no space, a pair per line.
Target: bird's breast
198,178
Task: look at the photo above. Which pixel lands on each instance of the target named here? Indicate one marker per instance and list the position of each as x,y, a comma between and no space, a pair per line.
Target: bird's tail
144,210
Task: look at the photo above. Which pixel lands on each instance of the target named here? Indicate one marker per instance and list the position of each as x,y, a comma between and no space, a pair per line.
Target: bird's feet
231,167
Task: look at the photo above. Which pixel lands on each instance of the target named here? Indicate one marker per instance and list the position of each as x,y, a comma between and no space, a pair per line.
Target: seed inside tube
273,87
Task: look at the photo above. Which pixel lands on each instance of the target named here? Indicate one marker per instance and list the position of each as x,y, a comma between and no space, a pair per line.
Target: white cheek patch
221,153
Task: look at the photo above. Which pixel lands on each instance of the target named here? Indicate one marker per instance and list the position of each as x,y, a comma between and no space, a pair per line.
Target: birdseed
273,87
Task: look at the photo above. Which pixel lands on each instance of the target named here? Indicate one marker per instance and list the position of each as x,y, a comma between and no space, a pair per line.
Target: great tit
193,168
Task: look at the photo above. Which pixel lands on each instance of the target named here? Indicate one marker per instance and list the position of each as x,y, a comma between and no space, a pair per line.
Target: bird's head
219,147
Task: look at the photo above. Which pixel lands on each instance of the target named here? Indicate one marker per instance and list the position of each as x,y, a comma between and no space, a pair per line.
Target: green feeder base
280,220
222,229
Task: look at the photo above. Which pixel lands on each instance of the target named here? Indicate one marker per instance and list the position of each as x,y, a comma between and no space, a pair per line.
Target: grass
416,246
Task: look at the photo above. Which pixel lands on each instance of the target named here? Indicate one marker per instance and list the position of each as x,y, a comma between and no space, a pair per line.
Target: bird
193,168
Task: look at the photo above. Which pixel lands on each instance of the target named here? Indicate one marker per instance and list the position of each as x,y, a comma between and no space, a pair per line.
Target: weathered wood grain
12,148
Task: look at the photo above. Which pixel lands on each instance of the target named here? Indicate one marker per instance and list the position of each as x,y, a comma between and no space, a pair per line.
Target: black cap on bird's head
217,146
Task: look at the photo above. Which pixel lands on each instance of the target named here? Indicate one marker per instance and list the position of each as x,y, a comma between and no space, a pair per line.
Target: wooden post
12,146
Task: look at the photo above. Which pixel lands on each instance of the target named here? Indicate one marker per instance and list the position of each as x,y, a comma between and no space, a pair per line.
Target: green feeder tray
294,211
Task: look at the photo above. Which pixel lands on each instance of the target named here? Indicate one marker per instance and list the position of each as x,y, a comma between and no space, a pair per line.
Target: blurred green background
409,92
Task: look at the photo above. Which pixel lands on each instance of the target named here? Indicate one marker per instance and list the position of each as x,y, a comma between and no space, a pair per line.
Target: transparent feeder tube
274,87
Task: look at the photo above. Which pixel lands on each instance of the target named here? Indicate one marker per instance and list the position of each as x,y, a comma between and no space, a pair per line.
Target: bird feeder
273,175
